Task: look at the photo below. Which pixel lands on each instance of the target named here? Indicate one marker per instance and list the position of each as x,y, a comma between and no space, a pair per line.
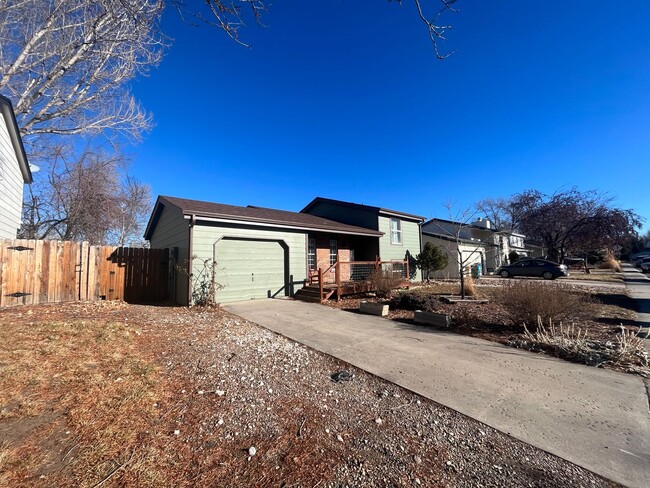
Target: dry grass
573,343
597,275
82,401
469,286
612,263
528,301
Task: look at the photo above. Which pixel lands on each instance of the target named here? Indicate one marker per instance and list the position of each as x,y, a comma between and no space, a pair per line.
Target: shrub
526,302
384,281
432,258
513,257
414,301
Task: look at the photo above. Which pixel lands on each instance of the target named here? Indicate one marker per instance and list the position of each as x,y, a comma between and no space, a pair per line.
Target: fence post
408,273
338,280
320,284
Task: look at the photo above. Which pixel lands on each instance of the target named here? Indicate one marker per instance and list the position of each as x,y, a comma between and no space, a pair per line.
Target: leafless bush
574,344
203,282
383,282
528,301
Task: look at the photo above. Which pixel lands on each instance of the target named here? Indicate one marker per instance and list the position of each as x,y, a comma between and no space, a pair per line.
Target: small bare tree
87,197
460,221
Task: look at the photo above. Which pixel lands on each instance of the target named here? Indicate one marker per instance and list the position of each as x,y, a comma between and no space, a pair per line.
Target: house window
334,251
311,253
395,231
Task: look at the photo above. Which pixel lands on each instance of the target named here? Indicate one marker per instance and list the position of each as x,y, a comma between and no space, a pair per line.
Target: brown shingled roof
279,218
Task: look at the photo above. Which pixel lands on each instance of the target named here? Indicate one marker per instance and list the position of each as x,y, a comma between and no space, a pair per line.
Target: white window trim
335,246
311,242
397,231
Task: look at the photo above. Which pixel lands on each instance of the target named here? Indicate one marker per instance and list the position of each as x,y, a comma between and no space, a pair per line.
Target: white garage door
248,269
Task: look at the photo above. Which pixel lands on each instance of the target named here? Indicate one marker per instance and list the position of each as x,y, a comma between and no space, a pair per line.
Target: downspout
420,232
190,254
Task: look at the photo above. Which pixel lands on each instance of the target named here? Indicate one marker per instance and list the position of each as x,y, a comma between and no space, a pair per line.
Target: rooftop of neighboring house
7,111
371,208
252,215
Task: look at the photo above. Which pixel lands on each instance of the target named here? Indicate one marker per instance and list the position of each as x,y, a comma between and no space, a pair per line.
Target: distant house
400,230
14,171
258,252
475,243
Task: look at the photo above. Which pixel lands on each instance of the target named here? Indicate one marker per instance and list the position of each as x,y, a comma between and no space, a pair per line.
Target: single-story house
254,252
400,230
14,171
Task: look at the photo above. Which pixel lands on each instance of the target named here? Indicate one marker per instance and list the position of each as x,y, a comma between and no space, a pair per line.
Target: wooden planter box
373,308
432,318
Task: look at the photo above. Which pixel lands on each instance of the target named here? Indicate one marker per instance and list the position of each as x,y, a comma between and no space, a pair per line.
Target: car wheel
504,274
547,275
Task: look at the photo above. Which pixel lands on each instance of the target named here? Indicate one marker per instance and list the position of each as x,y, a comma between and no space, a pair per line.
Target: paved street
595,418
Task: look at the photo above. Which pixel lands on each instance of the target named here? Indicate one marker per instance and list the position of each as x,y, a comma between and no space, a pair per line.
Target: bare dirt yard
110,394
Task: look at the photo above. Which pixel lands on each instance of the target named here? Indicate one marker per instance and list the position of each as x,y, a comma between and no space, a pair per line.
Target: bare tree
67,63
86,197
573,220
455,232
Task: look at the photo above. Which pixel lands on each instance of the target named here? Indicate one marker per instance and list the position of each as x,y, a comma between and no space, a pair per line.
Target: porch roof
254,215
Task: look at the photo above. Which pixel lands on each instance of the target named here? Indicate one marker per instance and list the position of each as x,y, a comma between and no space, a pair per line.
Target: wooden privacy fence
35,271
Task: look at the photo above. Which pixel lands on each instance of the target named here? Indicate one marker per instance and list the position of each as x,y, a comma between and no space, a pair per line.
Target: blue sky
346,100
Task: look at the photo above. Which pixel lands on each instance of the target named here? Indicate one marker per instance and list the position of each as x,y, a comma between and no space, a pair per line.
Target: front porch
349,278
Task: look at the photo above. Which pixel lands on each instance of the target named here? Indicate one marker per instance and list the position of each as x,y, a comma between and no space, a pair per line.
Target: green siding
172,230
259,249
248,269
410,239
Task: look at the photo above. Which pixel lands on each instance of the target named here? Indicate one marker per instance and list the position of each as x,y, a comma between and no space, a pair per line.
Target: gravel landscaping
219,401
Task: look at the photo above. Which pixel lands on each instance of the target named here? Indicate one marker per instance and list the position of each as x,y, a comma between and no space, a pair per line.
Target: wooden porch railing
354,276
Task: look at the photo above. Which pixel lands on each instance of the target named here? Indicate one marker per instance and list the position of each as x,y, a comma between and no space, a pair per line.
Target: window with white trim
395,231
311,253
334,251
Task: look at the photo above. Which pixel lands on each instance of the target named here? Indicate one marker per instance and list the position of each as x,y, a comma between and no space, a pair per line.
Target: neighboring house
259,252
479,243
401,231
14,171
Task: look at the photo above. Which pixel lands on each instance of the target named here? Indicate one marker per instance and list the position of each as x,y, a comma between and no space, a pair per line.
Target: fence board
36,271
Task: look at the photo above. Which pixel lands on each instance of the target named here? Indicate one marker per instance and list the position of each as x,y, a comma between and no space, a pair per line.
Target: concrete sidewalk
595,418
638,287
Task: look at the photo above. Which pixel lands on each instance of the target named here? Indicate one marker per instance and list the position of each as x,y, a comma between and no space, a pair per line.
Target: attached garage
244,253
248,269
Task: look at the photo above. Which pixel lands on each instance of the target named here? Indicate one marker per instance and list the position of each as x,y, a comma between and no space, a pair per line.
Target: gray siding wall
11,186
172,230
410,240
207,233
472,254
346,215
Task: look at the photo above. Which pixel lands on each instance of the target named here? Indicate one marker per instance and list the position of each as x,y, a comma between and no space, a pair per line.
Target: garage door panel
248,269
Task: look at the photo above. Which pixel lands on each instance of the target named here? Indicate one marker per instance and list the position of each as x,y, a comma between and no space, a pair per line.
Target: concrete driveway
595,418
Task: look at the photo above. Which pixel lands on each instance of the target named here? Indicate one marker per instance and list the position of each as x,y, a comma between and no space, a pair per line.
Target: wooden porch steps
311,293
